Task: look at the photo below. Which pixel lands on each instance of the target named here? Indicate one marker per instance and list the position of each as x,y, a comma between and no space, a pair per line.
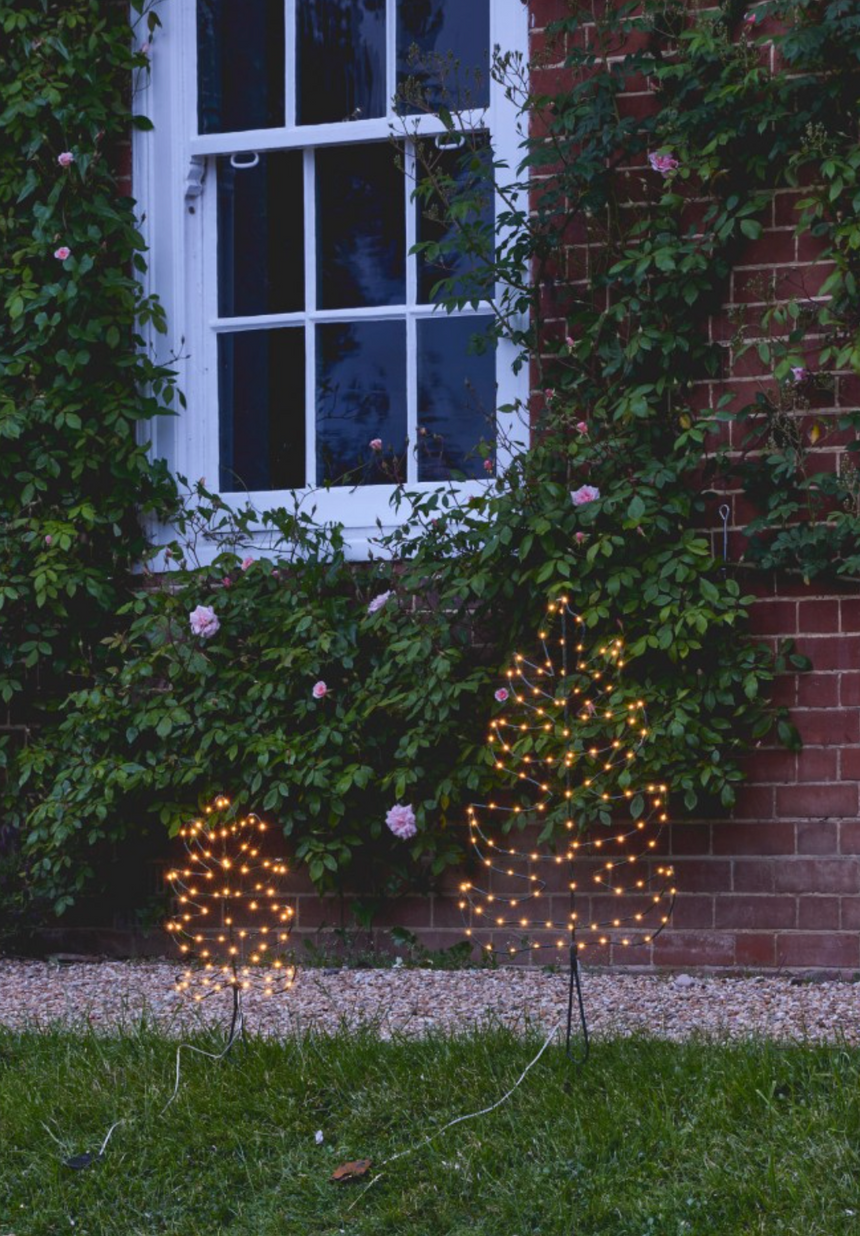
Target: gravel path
109,994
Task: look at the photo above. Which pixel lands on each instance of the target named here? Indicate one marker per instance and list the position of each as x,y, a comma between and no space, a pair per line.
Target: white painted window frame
173,179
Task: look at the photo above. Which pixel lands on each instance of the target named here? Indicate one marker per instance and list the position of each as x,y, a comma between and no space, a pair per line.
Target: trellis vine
658,208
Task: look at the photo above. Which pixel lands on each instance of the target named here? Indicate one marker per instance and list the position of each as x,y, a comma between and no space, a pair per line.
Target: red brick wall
777,882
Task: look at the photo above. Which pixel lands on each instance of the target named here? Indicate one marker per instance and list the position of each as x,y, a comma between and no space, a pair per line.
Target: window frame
174,184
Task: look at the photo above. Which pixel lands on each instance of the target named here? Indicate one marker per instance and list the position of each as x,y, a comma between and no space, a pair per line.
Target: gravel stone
113,995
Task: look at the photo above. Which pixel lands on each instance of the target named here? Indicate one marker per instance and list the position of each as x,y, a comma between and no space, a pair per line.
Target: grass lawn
649,1139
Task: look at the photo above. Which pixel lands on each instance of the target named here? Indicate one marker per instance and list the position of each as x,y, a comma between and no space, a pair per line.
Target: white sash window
276,189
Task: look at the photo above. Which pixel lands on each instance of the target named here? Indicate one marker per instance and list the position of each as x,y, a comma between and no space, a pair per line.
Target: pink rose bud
750,19
66,159
62,253
49,539
585,493
579,537
501,695
145,48
799,373
401,820
663,163
320,691
581,427
227,581
570,341
488,465
247,562
549,394
375,444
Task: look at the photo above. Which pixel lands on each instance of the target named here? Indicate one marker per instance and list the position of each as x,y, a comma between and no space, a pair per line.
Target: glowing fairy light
232,933
570,746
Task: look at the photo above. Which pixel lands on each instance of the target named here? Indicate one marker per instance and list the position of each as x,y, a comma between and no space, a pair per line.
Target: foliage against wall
75,481
663,204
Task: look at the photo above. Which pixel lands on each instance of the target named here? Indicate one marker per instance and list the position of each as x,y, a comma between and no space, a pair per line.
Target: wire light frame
566,748
231,922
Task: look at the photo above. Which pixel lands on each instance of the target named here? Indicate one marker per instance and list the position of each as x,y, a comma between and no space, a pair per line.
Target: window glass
443,50
261,399
361,226
464,176
456,398
361,398
341,60
260,234
240,65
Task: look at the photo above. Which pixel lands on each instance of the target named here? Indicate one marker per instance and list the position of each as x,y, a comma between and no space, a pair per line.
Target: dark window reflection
463,176
261,388
361,227
443,51
340,46
240,65
361,398
456,398
260,235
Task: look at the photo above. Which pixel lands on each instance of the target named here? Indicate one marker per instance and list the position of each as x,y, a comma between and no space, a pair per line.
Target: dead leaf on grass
351,1171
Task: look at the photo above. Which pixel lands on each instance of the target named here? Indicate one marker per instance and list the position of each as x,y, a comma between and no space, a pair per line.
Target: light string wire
484,1111
227,872
584,694
198,884
237,1029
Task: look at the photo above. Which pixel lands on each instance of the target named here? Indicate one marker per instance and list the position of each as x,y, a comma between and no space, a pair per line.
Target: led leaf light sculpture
566,748
231,922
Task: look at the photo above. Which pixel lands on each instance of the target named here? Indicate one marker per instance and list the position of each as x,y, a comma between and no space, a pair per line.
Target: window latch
195,177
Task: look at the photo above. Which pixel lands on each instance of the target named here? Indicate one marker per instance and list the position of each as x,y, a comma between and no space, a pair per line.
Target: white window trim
177,213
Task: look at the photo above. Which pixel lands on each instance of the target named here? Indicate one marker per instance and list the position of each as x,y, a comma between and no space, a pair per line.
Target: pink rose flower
488,465
585,493
66,159
378,602
227,581
62,253
320,691
401,821
501,695
375,444
799,373
579,537
581,427
663,163
204,621
247,562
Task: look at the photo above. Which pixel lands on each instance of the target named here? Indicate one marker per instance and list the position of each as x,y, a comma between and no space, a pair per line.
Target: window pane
361,227
456,398
260,235
443,46
361,397
240,65
464,177
261,389
341,60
